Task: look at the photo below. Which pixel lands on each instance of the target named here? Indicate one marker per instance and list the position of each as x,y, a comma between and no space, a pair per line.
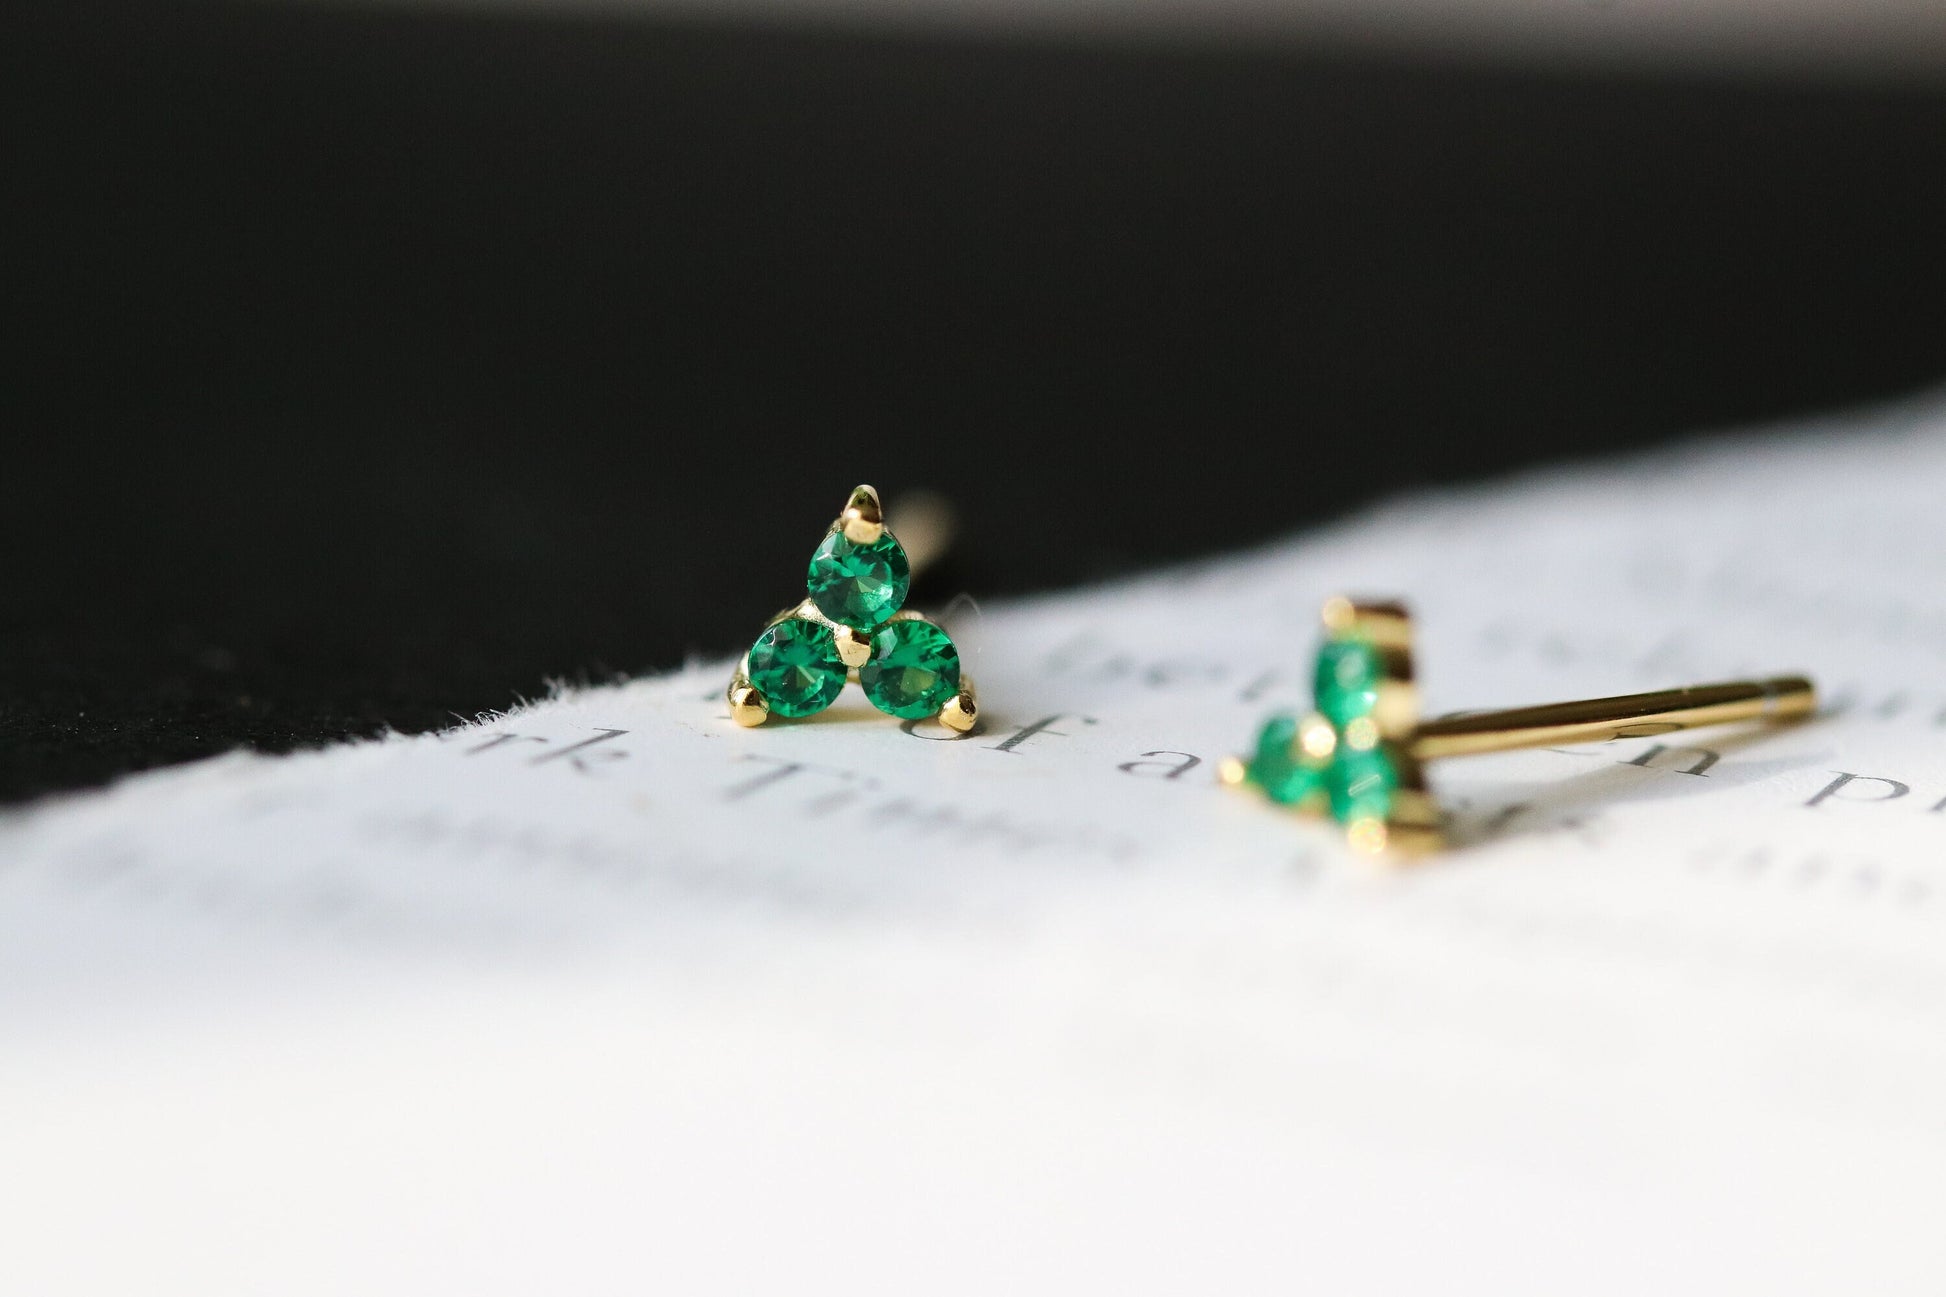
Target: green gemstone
795,665
913,671
1347,682
859,586
1361,784
1285,777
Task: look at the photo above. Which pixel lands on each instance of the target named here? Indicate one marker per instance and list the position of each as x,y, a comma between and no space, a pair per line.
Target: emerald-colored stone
1361,784
1347,681
859,586
913,671
1278,768
796,666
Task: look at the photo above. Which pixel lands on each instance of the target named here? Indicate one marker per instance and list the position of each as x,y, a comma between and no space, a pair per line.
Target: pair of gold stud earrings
1358,755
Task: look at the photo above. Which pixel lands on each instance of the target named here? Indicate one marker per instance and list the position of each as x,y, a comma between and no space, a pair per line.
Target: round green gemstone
1347,682
1285,777
1275,738
795,665
1361,784
913,671
859,586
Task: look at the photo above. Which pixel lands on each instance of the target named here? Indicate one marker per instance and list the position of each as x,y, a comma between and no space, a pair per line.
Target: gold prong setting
863,520
748,706
853,650
962,712
850,628
1347,758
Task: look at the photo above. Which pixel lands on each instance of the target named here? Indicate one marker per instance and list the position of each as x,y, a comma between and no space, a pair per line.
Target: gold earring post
1629,716
925,523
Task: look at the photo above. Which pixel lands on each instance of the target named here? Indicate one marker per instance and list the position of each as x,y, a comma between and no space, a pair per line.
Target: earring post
1597,720
924,522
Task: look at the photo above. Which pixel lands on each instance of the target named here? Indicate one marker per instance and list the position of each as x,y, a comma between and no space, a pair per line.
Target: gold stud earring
1360,754
851,626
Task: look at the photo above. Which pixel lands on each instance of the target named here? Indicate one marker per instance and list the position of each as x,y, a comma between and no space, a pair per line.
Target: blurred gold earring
1359,755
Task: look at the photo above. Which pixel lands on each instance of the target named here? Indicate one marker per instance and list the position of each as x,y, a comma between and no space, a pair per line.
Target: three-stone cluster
851,622
1334,757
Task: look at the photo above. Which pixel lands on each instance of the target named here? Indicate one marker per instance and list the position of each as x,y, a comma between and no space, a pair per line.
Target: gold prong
853,650
962,710
748,706
1367,835
1315,737
1338,614
1383,622
1231,772
862,521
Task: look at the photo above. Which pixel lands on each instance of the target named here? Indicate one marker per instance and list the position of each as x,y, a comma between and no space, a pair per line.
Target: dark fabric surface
368,368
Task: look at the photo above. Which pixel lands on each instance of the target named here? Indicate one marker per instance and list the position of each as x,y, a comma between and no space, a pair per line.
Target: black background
369,368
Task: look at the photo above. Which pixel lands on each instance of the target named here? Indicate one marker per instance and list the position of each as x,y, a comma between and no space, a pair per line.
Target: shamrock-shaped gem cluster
851,626
1348,757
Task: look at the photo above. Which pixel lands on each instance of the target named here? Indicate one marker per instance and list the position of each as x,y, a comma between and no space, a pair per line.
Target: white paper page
612,996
